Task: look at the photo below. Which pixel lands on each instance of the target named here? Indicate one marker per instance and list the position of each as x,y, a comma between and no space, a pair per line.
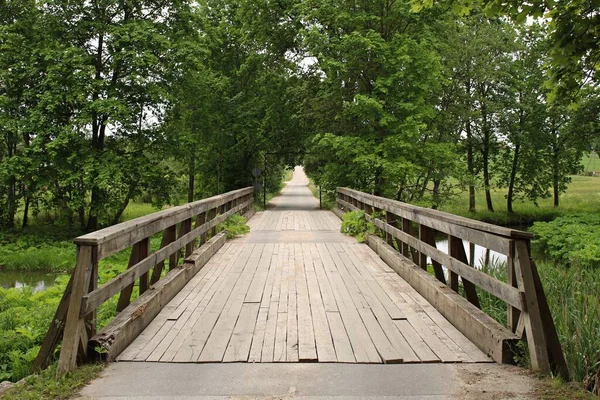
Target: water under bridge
295,291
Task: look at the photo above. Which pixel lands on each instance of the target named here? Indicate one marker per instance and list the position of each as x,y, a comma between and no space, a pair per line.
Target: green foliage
45,385
571,240
354,223
235,226
572,294
575,305
24,319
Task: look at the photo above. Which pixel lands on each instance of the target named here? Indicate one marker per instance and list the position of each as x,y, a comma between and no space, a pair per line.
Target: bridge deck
295,289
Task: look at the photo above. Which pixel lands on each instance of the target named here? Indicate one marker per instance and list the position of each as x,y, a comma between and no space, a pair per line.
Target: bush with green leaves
572,240
354,223
235,225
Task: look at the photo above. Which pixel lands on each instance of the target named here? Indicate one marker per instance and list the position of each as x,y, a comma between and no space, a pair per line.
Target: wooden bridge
297,290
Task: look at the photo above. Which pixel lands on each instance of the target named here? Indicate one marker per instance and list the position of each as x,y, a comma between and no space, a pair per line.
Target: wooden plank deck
278,300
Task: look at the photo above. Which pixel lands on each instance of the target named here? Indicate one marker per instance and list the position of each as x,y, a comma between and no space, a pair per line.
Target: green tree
378,77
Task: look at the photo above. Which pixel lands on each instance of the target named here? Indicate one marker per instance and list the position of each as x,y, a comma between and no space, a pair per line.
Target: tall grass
574,298
573,295
582,196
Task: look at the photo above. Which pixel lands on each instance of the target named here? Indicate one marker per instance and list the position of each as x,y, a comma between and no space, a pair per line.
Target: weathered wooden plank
477,326
124,328
324,285
536,339
55,331
261,325
385,348
323,339
268,350
169,236
363,348
292,310
307,350
257,286
457,250
258,335
192,306
280,347
404,352
369,286
192,347
121,236
216,344
341,342
74,323
241,339
497,288
430,217
416,343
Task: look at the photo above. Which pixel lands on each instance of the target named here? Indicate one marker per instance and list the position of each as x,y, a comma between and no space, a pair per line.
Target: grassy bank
582,196
49,247
327,198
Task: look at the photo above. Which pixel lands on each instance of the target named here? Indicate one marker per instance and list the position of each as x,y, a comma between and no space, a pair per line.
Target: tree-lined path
296,289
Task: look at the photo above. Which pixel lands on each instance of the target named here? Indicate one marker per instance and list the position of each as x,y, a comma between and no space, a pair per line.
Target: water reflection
481,256
37,280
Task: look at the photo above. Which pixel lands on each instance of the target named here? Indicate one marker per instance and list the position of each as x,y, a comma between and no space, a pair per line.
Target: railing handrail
527,308
134,230
185,228
444,216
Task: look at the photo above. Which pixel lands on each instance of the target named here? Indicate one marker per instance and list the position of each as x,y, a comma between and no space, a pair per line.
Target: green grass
327,198
582,196
46,386
555,389
49,247
574,300
590,162
135,210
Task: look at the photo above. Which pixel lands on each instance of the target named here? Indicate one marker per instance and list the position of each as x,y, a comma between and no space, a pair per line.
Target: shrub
570,240
354,223
235,225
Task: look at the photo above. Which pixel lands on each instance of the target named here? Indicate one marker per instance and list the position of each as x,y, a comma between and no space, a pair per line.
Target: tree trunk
121,209
11,206
26,212
98,130
191,178
485,153
470,167
436,193
378,182
555,178
513,177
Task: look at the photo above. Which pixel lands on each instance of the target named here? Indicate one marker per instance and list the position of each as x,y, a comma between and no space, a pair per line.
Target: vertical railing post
213,215
428,236
391,220
169,236
457,250
138,250
90,319
511,279
534,329
201,220
422,256
75,335
143,252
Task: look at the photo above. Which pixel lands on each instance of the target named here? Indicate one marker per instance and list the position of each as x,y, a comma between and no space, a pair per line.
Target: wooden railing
410,233
75,318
